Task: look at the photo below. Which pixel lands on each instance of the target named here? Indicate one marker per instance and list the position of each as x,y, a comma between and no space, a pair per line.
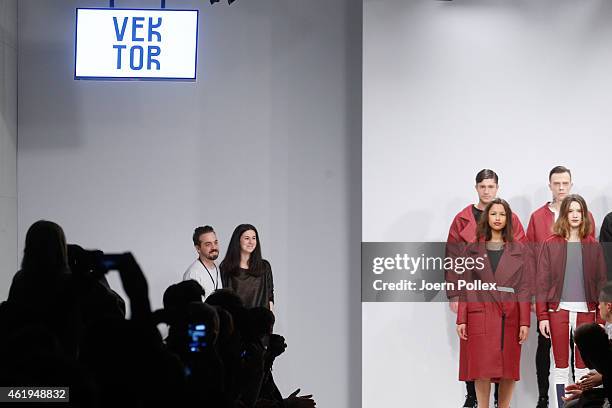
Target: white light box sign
136,44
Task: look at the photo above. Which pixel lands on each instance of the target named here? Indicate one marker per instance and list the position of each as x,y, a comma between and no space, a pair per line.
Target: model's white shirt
208,279
553,210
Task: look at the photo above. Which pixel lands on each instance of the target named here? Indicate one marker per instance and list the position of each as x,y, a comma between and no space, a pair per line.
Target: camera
93,262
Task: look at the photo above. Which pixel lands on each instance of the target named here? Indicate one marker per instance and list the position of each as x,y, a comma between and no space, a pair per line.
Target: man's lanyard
215,282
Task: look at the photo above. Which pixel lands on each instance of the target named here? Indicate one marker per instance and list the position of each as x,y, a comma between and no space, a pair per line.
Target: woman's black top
255,290
494,257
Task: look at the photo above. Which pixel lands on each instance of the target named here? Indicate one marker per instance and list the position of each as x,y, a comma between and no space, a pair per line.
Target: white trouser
561,375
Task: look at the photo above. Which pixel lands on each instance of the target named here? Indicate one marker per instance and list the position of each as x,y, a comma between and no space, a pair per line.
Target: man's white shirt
208,278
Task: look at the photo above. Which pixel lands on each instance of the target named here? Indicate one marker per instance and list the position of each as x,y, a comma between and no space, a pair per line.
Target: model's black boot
496,394
470,398
542,402
470,402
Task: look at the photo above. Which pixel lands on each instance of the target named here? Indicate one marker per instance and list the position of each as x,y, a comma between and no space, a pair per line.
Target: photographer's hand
591,380
303,401
277,345
573,391
253,366
135,286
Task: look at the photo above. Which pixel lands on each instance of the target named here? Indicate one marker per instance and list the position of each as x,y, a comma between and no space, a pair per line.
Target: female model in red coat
463,230
571,271
495,323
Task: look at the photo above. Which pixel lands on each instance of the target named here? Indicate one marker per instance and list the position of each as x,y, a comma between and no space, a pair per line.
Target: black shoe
542,402
496,404
470,402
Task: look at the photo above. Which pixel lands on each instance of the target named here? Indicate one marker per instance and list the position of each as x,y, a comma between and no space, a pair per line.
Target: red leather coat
551,273
493,318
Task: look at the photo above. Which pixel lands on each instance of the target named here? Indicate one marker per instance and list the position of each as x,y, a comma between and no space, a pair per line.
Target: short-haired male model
538,229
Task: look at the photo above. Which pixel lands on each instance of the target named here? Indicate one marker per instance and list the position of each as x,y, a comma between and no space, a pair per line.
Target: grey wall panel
8,143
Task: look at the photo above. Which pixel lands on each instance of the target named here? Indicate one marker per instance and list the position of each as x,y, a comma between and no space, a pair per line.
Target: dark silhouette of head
198,312
259,323
230,301
43,291
192,317
594,345
226,324
179,295
45,250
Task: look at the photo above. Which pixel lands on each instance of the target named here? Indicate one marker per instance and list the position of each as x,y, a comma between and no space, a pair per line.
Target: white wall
450,88
8,143
269,134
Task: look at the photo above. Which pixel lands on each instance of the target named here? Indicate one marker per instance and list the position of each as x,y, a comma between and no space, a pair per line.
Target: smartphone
111,262
197,337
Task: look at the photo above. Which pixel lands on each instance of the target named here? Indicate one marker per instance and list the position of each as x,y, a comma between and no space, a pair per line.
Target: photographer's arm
135,286
253,374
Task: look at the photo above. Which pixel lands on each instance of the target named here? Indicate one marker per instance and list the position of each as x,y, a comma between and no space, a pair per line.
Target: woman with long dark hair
571,272
43,292
44,264
244,270
494,320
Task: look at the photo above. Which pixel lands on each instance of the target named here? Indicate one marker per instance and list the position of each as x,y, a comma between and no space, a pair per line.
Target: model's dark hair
231,262
200,231
562,228
486,174
45,249
484,229
559,170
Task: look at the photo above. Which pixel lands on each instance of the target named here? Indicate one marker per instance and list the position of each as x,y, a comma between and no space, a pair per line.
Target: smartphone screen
197,337
110,262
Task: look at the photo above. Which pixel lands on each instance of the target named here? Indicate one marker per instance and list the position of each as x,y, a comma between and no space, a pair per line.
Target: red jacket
551,273
541,222
463,230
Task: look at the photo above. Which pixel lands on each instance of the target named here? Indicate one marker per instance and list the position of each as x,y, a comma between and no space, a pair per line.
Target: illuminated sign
136,44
